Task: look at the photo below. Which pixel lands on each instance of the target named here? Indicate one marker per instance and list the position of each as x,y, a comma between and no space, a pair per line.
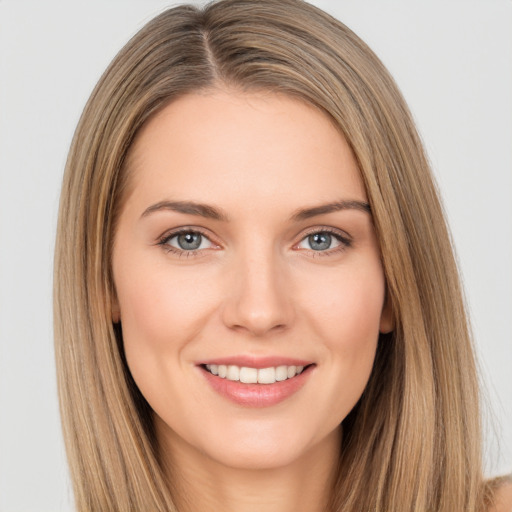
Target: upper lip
256,362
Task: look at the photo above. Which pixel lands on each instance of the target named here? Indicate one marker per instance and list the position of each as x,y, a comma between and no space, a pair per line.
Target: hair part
413,440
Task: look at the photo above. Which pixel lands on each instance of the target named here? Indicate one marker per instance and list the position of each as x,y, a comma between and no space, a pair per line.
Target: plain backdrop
452,60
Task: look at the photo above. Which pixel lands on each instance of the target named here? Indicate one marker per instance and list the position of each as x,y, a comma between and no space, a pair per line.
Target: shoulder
503,497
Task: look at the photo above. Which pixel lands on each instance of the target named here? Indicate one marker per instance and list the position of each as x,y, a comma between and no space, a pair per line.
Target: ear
387,317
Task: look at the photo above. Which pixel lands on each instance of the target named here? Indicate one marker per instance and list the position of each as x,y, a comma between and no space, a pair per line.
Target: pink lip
256,362
257,395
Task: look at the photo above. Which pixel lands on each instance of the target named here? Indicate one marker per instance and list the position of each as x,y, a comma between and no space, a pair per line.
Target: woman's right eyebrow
188,207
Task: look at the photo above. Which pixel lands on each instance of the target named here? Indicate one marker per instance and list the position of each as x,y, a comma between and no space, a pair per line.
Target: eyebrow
188,207
307,213
211,212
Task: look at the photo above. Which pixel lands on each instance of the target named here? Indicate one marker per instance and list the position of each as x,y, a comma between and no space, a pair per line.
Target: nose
258,297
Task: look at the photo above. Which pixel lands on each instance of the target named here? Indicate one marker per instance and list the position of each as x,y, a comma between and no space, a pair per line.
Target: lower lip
257,395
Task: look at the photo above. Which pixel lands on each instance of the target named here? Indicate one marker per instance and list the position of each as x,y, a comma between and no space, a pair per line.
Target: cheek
157,304
345,315
161,313
347,306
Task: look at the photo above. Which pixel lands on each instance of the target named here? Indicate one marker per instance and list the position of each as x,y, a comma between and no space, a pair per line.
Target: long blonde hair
412,443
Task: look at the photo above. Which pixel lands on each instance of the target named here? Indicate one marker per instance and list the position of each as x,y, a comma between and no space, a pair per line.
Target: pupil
320,241
189,241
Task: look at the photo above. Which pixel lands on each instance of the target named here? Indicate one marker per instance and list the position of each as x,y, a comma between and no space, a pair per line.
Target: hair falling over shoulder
413,441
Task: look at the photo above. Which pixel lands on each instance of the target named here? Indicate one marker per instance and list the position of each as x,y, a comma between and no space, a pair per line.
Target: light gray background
453,62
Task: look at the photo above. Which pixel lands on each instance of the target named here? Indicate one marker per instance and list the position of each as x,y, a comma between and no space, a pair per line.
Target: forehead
236,147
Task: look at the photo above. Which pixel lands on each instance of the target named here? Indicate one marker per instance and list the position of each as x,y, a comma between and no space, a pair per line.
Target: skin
503,500
255,287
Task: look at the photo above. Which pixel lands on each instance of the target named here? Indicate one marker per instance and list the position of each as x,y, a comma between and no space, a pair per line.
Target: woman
257,305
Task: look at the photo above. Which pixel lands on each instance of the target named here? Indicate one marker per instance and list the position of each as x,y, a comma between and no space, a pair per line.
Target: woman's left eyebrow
212,212
307,213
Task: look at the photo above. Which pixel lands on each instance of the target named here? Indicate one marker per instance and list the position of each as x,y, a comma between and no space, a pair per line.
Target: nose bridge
258,301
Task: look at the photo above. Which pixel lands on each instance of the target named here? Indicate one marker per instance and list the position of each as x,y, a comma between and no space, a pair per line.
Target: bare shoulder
503,496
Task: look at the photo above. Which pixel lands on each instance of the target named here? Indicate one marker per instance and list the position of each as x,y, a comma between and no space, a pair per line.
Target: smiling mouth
248,375
258,384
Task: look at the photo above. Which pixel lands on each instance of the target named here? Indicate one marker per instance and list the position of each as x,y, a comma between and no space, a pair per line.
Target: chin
252,444
259,456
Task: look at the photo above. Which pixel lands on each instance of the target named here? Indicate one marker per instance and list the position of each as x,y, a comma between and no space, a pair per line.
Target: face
249,283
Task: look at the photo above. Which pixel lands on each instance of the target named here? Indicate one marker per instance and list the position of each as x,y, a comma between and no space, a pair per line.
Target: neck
202,483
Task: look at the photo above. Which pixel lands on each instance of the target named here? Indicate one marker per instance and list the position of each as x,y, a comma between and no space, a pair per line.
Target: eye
324,241
186,241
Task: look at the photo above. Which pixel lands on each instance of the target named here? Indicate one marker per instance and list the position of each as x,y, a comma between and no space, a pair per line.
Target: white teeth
233,373
214,368
281,373
267,375
249,375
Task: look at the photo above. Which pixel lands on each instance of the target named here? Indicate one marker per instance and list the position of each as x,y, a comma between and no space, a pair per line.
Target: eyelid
163,240
341,236
327,229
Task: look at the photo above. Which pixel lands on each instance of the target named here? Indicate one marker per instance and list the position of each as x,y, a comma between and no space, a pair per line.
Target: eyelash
163,242
344,240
